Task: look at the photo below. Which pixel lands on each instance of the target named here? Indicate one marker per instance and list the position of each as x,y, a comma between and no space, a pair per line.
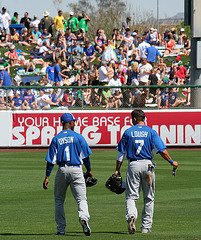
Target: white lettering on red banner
106,128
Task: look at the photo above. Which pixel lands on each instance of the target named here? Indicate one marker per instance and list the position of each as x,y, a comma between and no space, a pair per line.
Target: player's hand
89,174
175,164
45,183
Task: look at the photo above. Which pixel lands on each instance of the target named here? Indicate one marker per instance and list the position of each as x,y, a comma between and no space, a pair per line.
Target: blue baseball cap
116,74
67,117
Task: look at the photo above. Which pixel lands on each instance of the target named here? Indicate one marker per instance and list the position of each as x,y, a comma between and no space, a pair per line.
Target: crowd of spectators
70,58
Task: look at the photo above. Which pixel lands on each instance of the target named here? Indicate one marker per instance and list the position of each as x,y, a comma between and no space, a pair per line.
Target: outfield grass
27,211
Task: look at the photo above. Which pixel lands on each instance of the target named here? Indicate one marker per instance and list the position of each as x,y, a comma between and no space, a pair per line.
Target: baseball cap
152,29
17,92
116,74
179,64
178,57
67,117
71,13
3,59
167,30
182,30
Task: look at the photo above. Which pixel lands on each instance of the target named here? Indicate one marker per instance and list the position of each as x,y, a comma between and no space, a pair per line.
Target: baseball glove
90,181
114,184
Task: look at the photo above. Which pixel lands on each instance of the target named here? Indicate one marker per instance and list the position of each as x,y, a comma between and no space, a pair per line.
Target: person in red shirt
169,46
181,72
122,80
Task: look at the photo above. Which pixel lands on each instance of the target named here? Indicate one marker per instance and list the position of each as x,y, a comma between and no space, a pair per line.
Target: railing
102,97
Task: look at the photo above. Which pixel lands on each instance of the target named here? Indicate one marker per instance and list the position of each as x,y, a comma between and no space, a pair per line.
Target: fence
96,97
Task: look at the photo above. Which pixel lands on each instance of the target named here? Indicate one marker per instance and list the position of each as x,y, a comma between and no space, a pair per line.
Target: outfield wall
100,128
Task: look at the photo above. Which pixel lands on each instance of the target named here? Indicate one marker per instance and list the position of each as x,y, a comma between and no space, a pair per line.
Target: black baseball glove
90,181
114,184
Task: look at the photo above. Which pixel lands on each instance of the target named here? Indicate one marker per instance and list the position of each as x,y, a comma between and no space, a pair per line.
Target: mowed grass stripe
27,211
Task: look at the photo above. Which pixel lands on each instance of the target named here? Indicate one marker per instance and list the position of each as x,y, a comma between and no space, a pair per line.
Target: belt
132,159
68,165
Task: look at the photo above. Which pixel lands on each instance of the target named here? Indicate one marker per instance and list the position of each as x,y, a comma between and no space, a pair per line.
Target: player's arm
167,157
87,164
160,147
51,156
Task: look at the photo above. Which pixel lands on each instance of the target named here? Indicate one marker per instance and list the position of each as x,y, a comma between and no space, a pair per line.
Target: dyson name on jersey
139,134
65,140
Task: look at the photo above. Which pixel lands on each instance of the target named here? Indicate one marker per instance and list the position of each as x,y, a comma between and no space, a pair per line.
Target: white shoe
86,228
145,230
131,225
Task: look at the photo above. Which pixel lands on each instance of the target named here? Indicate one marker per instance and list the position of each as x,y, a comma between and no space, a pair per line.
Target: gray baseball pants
73,176
140,175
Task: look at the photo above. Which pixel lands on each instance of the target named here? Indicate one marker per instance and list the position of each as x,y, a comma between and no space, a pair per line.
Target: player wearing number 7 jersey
137,144
69,150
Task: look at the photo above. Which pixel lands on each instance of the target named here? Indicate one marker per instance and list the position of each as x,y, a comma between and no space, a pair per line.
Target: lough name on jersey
65,140
139,134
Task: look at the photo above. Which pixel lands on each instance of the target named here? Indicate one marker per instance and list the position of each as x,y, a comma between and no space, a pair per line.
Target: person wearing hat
46,22
15,19
69,150
35,22
73,23
59,22
16,80
5,64
180,37
181,72
5,20
44,101
18,101
5,80
153,37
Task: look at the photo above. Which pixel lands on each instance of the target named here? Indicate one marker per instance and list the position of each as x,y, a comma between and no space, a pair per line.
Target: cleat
86,228
131,225
145,230
60,233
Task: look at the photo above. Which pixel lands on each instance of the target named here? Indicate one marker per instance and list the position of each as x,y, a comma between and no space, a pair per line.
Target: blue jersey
57,77
29,98
5,76
138,142
50,72
18,101
89,51
68,147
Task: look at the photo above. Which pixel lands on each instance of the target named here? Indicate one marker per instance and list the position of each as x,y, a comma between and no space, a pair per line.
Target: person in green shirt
65,25
14,20
73,23
5,64
83,21
106,93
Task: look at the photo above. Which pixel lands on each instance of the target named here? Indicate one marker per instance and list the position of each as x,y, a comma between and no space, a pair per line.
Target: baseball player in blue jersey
69,150
137,144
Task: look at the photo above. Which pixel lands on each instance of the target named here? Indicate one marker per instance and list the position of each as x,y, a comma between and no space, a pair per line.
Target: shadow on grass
67,234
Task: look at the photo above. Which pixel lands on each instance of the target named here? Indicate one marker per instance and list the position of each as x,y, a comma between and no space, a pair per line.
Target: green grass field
27,211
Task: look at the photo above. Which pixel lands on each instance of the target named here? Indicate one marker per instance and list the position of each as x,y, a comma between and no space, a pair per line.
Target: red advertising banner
106,128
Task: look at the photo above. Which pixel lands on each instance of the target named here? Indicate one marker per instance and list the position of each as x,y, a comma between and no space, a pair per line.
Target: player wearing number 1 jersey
137,144
69,151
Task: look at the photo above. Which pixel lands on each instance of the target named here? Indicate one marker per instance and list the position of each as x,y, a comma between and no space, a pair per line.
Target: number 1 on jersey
141,142
67,153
